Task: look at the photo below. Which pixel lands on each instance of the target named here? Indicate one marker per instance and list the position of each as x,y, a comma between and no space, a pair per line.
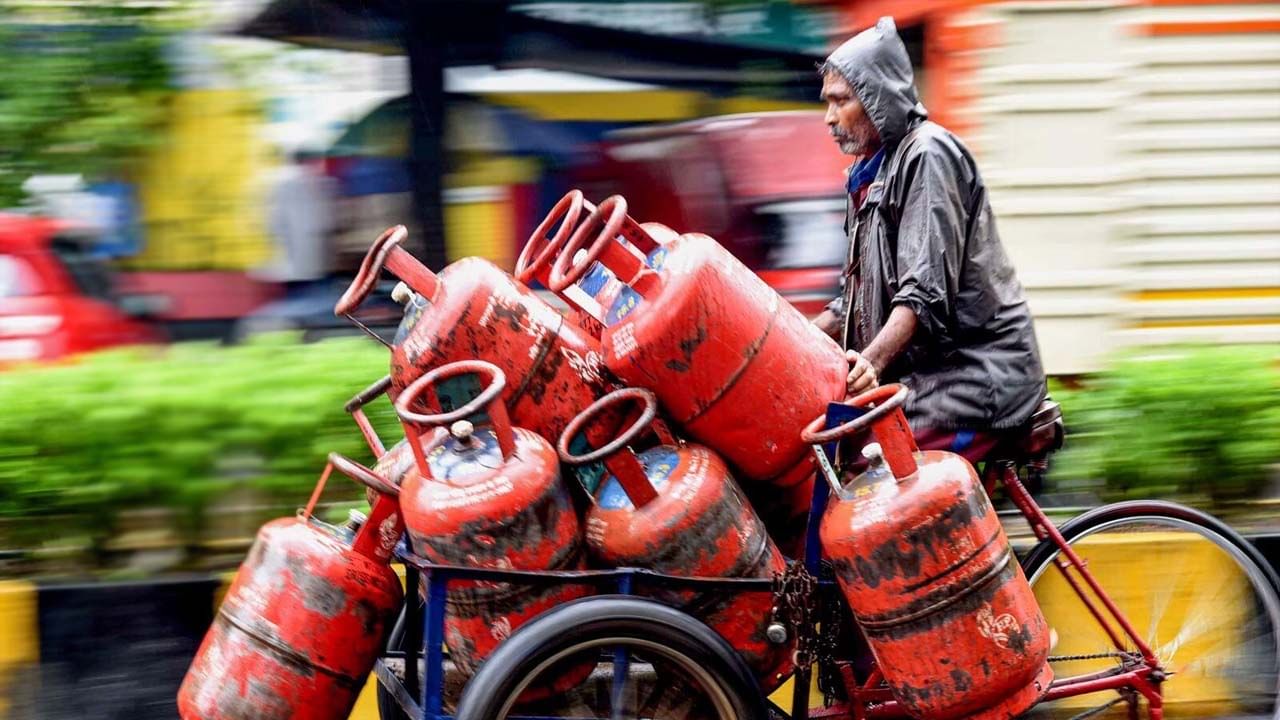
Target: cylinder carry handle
457,421
386,252
617,454
887,422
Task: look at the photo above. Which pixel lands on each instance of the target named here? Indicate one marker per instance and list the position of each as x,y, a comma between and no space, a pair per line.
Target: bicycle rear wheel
1200,595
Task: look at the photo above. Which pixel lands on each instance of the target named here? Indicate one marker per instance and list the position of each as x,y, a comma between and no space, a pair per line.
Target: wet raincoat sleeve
931,232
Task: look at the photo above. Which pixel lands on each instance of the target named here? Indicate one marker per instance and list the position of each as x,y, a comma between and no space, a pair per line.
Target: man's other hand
862,375
829,323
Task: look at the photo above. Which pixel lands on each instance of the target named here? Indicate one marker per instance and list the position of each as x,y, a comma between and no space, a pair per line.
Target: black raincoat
926,238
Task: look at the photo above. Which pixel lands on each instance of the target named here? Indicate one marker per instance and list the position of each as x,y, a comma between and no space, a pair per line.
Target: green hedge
181,427
176,427
1184,421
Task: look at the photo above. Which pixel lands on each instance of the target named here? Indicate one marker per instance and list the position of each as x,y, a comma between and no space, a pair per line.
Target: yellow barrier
19,634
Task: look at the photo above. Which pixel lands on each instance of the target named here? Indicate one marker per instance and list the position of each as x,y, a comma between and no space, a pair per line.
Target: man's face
849,123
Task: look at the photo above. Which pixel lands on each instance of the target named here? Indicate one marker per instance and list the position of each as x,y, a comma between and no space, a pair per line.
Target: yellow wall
478,212
656,105
201,190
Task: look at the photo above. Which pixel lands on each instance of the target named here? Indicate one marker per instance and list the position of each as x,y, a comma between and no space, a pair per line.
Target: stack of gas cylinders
658,423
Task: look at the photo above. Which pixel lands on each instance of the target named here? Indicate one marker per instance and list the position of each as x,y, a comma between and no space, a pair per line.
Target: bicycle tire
1263,578
610,620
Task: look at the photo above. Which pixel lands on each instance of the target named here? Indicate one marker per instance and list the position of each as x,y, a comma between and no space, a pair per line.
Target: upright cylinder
486,494
675,508
923,560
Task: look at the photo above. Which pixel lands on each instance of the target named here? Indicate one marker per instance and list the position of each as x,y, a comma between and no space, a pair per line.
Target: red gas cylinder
301,626
486,495
925,565
472,309
674,508
598,287
732,362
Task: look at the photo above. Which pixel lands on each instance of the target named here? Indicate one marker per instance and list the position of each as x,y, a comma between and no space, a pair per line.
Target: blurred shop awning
493,32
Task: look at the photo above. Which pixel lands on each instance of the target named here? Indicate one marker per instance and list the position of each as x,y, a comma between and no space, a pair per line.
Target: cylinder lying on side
732,363
305,619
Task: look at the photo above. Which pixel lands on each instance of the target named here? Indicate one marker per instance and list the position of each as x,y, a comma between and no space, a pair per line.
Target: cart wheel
651,660
388,708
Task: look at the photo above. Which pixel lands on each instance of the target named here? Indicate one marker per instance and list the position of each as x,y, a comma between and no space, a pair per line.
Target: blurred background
188,185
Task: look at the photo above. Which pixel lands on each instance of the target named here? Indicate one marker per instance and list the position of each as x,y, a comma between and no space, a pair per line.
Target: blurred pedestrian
929,297
301,222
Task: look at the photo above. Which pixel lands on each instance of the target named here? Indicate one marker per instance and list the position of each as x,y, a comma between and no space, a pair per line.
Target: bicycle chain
830,681
794,591
1094,656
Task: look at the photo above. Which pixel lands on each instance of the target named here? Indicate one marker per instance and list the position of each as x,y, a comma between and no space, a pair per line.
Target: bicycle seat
1036,438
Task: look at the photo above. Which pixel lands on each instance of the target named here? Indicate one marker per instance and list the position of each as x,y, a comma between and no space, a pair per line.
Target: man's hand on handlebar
862,374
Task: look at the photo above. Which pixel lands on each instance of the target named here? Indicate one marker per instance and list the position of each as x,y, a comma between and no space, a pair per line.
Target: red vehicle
56,300
768,186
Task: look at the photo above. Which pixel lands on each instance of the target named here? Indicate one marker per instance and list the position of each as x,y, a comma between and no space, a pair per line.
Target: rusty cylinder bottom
1020,702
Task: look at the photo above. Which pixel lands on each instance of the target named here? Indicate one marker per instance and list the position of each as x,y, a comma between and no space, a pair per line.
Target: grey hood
876,64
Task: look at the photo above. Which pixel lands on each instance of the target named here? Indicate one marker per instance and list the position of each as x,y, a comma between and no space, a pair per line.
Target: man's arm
865,367
892,339
828,321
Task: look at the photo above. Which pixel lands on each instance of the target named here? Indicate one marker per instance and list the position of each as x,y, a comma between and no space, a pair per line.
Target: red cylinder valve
597,289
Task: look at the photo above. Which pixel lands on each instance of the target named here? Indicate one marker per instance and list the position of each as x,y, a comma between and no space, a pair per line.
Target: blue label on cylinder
455,459
657,258
589,474
626,301
659,463
594,281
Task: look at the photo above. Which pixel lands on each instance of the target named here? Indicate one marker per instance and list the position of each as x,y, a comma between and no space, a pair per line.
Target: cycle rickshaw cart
1218,655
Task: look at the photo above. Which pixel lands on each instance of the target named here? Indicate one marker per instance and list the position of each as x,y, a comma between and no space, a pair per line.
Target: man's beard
858,142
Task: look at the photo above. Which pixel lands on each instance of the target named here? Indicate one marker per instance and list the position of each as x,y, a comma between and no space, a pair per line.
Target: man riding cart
929,297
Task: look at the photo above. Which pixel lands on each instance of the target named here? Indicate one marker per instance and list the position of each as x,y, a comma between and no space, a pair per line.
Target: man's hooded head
875,65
